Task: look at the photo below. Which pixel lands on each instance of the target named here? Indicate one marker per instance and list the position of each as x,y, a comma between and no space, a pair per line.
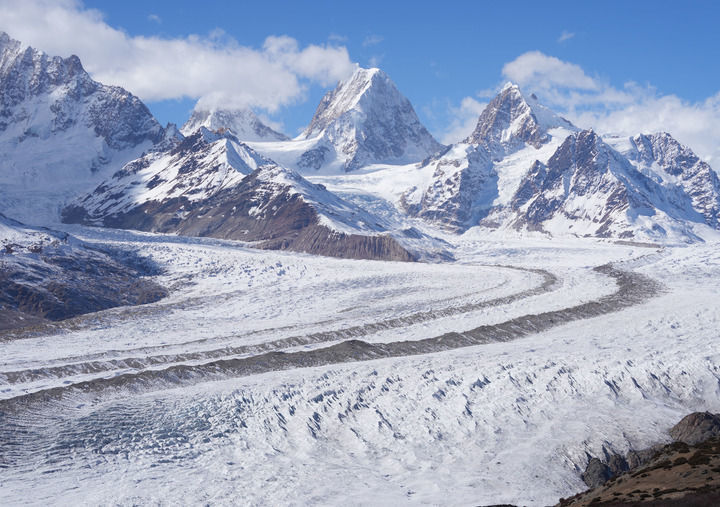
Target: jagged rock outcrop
674,164
588,187
465,179
696,427
511,121
462,190
680,473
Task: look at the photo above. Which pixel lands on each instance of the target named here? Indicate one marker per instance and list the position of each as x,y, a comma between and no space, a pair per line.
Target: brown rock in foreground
678,475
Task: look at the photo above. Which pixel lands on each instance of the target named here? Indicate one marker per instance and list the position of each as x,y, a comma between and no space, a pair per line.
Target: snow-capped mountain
512,121
664,159
243,123
463,183
589,189
525,167
60,131
211,184
365,120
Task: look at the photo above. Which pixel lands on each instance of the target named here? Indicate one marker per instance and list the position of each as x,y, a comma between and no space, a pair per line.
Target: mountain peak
61,130
366,120
347,96
244,123
512,120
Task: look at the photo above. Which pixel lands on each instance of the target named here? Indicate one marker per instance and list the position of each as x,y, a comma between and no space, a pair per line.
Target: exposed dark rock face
587,181
676,475
696,427
59,130
463,187
596,473
55,277
662,474
117,116
464,184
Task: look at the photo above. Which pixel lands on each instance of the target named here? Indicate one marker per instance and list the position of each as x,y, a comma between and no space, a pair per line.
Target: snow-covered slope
526,168
672,164
462,184
588,188
244,123
511,121
365,120
60,131
210,184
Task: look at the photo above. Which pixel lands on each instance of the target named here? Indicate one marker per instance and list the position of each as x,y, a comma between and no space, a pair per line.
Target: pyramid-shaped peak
243,122
512,120
366,120
358,92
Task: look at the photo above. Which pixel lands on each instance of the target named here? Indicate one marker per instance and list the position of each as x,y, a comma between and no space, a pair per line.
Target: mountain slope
210,184
511,121
243,123
588,188
465,182
672,164
60,130
49,276
365,120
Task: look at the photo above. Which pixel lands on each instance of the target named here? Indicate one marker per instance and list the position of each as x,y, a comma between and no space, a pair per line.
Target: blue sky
596,62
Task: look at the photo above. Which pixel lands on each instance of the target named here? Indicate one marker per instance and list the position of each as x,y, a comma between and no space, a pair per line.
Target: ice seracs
60,130
243,123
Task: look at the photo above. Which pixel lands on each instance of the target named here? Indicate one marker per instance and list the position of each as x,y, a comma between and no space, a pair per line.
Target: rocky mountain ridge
211,184
60,130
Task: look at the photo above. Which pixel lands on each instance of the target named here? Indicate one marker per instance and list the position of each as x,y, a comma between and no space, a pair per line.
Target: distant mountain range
85,152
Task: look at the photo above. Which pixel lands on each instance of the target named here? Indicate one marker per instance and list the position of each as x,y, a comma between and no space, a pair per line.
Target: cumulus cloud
628,110
464,119
213,68
547,72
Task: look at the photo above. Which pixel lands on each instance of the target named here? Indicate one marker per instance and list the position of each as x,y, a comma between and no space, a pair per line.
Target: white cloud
464,119
629,110
565,35
213,68
155,18
372,40
547,72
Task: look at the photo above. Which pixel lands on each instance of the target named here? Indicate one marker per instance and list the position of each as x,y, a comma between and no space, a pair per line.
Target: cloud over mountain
214,68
